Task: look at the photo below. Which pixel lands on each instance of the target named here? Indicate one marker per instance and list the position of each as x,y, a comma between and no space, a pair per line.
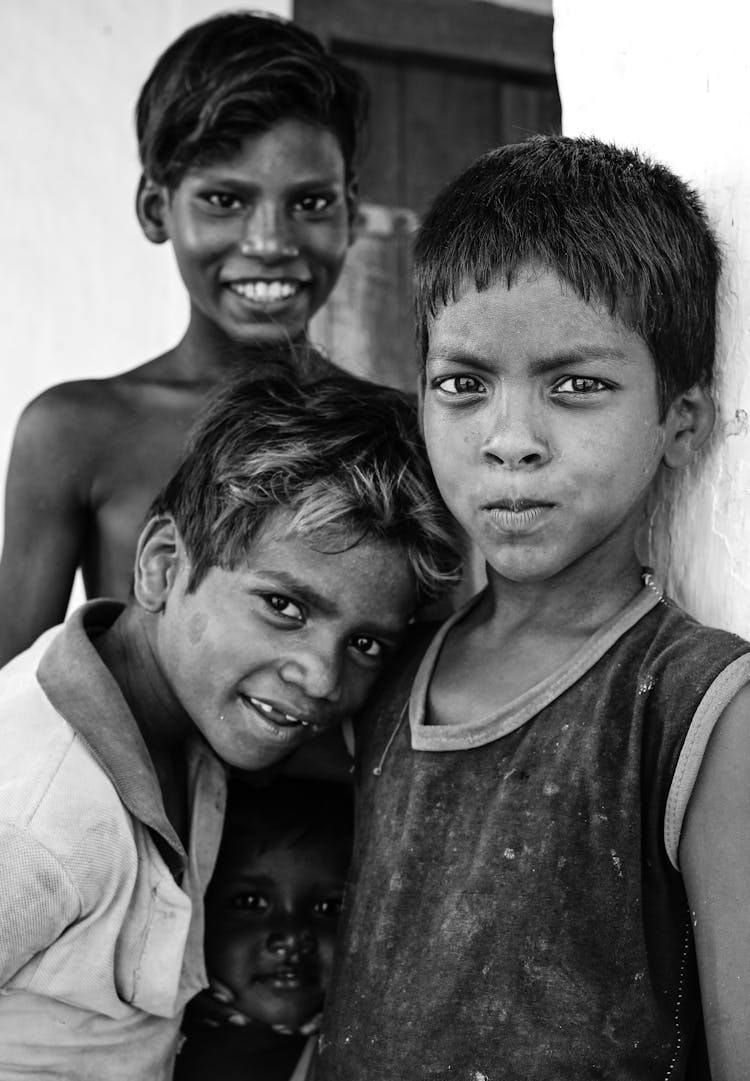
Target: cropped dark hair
236,75
344,457
617,227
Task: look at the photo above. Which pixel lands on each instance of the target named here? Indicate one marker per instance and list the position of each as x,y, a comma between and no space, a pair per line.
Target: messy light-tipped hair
617,227
344,457
234,76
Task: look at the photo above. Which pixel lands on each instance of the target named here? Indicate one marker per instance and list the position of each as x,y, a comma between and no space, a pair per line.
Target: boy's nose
292,943
316,672
515,456
516,439
267,234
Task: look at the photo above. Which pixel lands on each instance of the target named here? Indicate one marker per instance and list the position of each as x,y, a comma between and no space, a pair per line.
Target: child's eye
580,384
282,606
314,204
368,647
330,908
223,200
461,384
250,902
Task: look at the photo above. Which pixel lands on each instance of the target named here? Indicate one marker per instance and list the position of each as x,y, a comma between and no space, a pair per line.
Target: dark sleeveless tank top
514,913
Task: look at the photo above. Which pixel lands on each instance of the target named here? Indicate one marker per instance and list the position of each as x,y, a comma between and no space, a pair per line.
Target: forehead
286,859
291,147
341,573
538,315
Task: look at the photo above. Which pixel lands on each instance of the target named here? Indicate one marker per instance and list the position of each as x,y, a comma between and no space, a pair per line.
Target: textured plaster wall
672,78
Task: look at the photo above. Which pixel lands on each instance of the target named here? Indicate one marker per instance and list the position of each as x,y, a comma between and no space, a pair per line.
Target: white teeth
262,705
263,292
268,709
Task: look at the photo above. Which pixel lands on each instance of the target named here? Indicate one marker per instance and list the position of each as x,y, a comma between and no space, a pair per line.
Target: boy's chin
283,1016
261,329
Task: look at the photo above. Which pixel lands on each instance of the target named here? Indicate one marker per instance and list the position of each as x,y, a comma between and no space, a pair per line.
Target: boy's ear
689,423
158,558
150,204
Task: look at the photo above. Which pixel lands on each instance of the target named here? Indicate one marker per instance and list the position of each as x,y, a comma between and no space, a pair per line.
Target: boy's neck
206,353
257,1038
573,604
519,633
127,651
232,1052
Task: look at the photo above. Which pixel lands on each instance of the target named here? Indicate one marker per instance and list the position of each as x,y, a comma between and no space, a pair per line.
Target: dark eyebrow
240,876
219,175
460,359
300,590
317,180
585,354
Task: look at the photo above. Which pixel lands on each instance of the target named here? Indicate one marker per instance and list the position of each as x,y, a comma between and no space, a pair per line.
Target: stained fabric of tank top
512,912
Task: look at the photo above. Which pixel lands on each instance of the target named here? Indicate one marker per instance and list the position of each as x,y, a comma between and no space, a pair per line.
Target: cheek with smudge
196,628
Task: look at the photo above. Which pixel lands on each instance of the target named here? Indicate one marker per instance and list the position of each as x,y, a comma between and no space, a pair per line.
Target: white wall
672,78
83,293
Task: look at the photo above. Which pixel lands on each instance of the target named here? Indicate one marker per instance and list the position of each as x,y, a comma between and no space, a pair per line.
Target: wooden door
449,80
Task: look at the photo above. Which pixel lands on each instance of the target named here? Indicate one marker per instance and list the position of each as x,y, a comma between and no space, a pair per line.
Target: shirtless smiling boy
249,135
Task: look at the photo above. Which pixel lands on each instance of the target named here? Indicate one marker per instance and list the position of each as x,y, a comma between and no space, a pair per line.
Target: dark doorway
449,79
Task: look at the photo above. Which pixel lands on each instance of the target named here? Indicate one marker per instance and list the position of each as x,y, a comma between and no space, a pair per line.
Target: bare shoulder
69,408
715,863
721,796
728,752
78,415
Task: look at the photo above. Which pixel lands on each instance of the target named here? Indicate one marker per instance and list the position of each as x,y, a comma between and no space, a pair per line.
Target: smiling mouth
270,712
266,291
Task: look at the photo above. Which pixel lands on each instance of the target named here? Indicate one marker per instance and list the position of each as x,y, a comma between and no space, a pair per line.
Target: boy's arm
44,520
37,900
715,863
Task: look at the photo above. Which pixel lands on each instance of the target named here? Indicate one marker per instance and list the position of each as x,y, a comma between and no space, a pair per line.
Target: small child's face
541,418
271,925
286,645
260,238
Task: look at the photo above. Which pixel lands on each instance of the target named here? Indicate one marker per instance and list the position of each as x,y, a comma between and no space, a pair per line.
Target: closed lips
517,506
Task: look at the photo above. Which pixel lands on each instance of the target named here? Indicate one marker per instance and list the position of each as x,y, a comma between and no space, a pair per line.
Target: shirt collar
83,691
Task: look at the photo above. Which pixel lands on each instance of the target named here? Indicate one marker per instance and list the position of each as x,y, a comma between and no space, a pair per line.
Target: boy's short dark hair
614,225
287,812
344,456
236,75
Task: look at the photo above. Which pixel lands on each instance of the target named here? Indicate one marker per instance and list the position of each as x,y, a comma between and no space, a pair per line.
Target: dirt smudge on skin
196,628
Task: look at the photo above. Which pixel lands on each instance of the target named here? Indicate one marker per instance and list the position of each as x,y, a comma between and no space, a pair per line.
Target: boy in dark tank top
551,866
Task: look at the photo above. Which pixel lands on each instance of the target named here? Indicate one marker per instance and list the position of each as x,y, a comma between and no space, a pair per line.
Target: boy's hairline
353,539
351,168
268,46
